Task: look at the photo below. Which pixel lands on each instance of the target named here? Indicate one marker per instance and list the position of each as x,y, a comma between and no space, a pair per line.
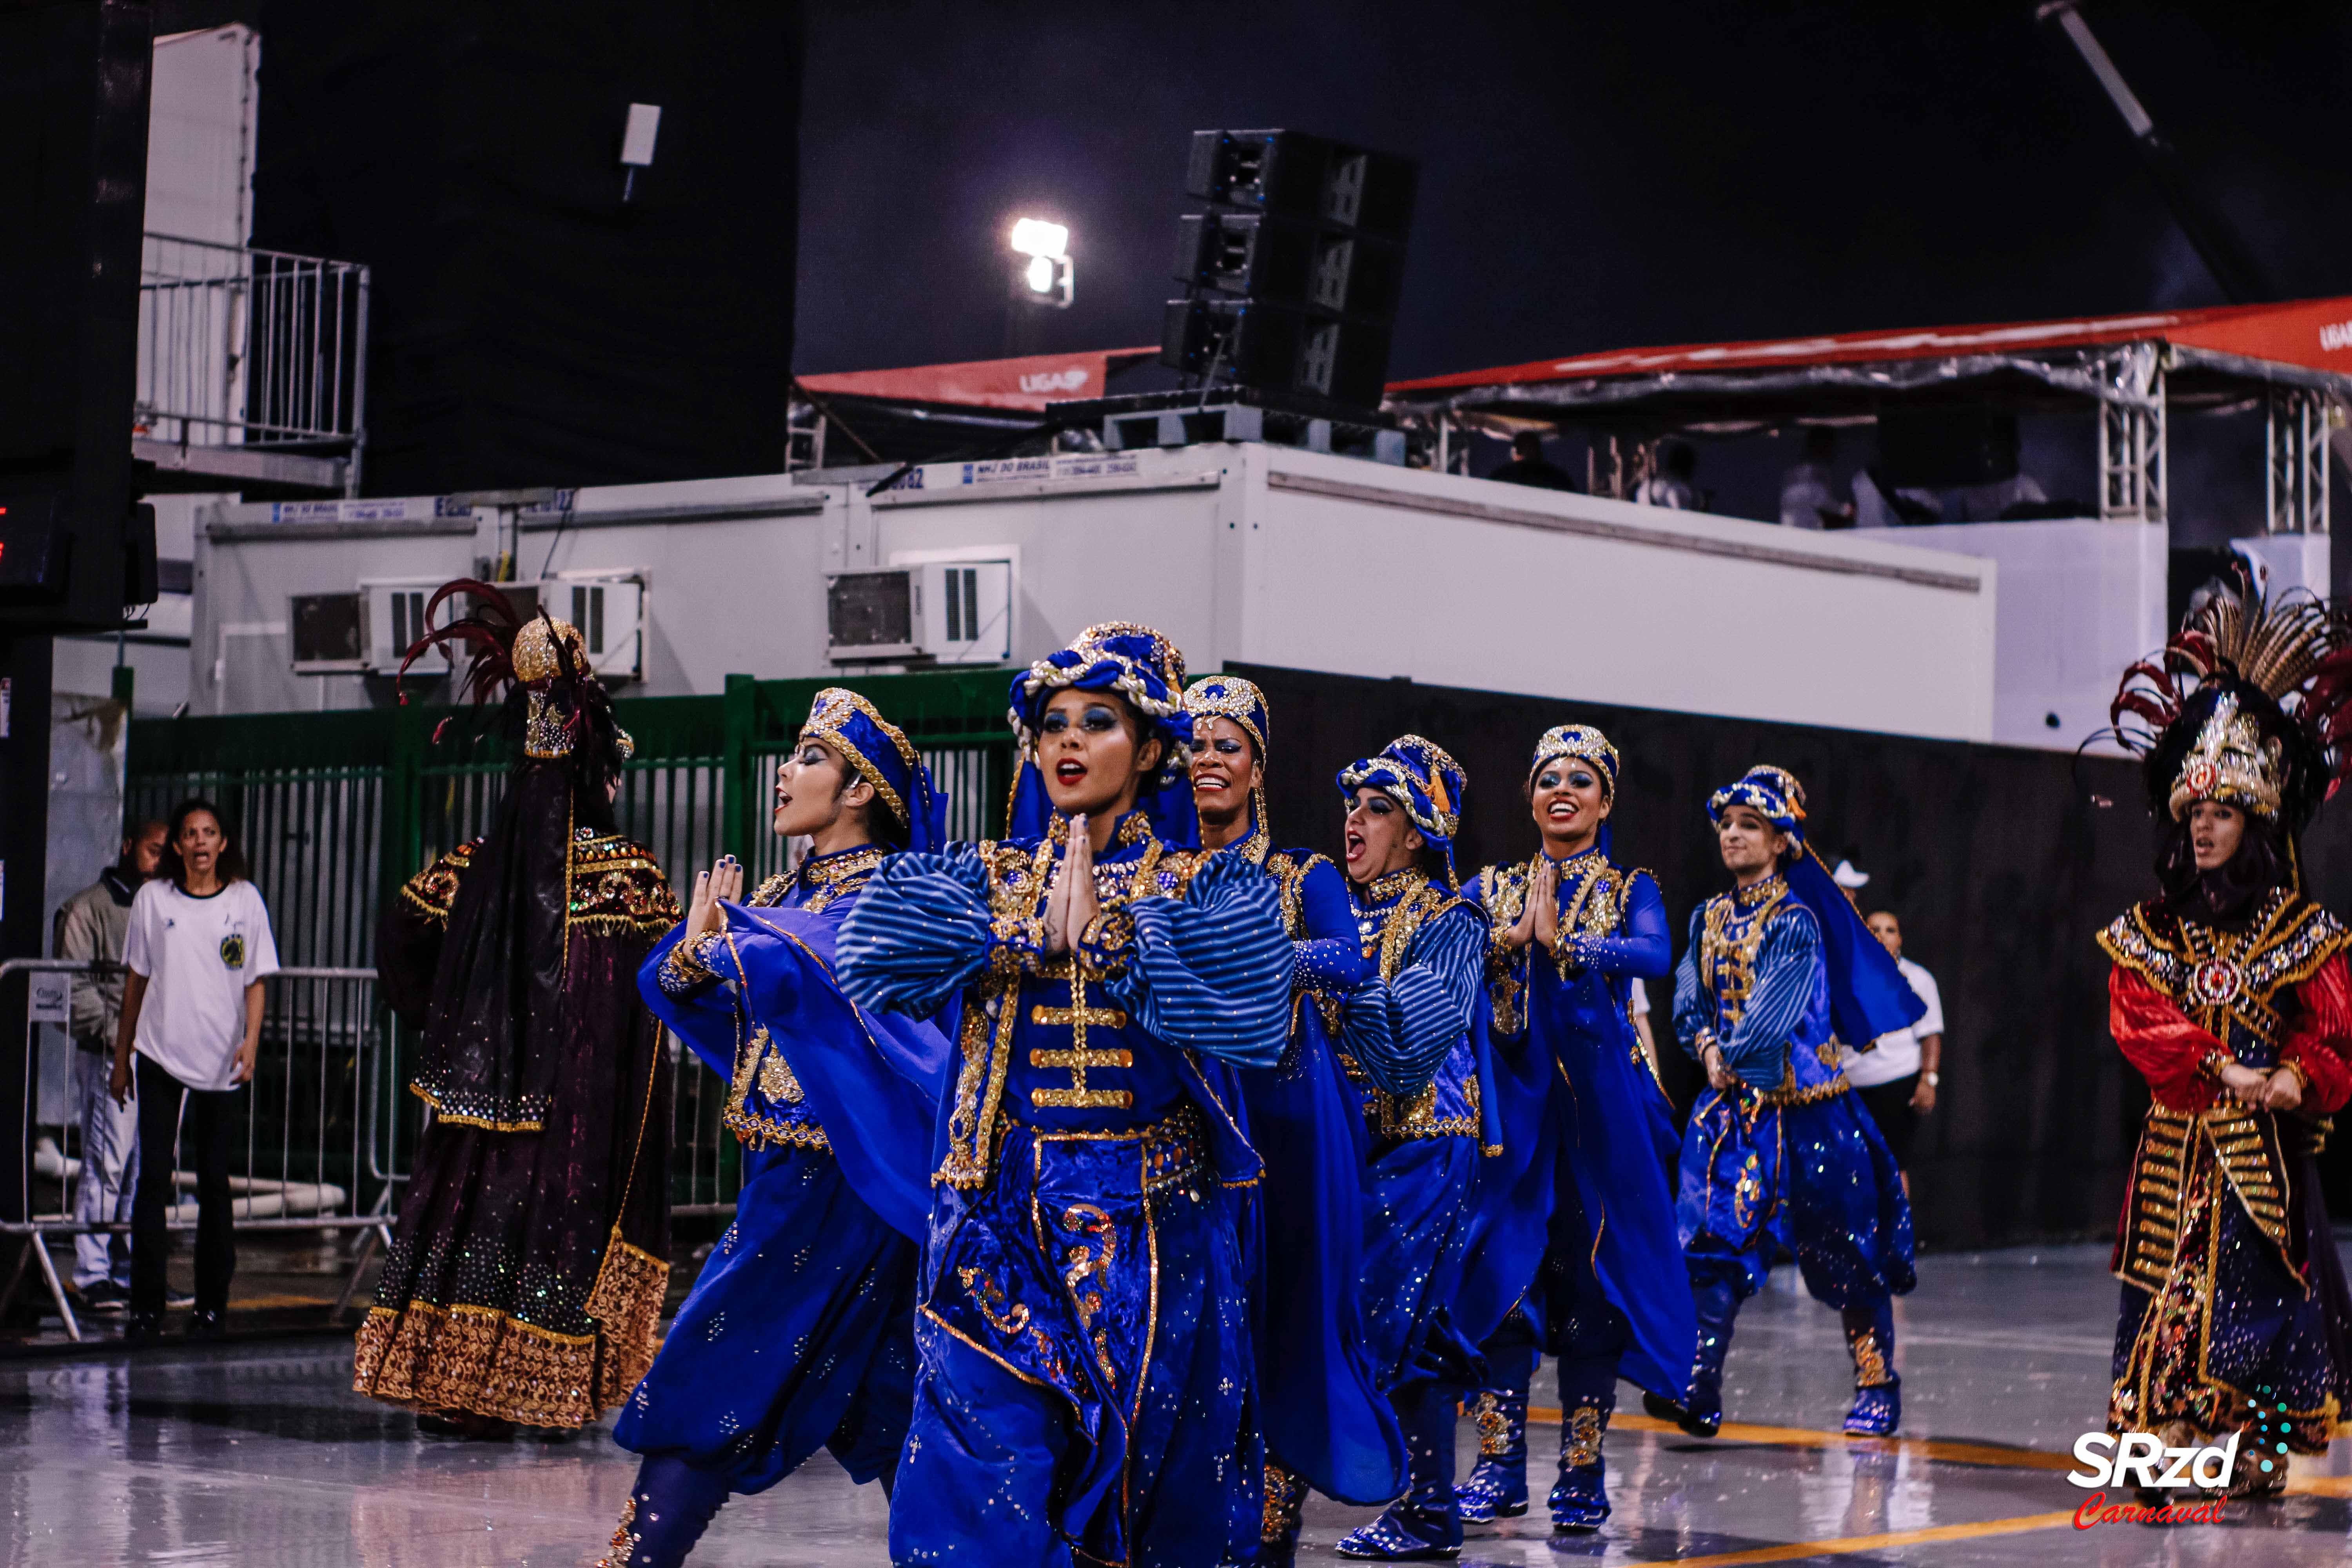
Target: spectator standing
198,948
1529,466
91,927
1808,492
1897,1080
1671,484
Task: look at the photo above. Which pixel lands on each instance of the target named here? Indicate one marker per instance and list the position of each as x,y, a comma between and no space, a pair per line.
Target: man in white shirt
1897,1080
1637,1007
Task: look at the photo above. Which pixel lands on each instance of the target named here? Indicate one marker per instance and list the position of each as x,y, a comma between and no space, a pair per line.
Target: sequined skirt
2232,1337
1417,1224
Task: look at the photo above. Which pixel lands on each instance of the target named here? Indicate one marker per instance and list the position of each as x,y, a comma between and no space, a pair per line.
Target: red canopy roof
1028,382
2315,334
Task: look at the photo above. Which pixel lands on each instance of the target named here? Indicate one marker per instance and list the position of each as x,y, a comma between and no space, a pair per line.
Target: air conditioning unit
392,618
329,632
935,612
609,608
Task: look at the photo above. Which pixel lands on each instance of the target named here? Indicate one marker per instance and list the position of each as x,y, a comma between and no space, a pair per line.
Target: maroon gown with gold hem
527,1276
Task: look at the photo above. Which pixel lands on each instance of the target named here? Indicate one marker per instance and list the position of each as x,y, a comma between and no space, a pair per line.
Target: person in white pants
91,926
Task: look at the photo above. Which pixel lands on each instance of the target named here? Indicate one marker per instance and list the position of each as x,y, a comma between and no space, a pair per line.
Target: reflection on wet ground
257,1455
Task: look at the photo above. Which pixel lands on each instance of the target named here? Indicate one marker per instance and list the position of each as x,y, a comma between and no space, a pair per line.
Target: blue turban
1868,994
1131,662
1773,793
884,758
1418,776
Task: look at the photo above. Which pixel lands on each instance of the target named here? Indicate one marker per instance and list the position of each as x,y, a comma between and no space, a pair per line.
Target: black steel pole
24,677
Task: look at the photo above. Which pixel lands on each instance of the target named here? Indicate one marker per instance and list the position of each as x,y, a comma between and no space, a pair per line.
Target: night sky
1592,176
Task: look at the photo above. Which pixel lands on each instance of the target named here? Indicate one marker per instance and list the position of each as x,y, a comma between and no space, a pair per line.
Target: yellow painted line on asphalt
1843,1545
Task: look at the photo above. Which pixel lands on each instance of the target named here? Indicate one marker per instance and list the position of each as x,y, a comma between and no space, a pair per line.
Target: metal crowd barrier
328,1127
316,1150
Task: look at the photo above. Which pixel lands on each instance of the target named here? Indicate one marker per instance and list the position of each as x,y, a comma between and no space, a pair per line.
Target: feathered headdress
2250,704
566,710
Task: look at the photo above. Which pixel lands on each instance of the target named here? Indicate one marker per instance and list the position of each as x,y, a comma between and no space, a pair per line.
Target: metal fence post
740,715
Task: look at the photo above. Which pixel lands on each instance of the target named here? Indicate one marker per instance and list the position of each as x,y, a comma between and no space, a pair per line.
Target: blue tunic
1404,1038
1321,1409
1082,1327
799,1330
1786,1158
1586,1182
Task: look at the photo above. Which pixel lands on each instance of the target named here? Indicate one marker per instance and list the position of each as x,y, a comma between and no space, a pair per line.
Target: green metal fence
334,810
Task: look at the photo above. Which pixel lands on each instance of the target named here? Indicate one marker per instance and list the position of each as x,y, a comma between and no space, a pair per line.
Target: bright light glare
1040,274
1035,237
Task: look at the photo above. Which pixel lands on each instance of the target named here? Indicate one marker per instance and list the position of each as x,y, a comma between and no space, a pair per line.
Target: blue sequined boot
1877,1390
1421,1526
1497,1487
668,1509
1718,1306
1579,1499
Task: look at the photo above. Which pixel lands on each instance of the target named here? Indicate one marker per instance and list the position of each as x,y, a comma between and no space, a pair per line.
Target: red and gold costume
2231,996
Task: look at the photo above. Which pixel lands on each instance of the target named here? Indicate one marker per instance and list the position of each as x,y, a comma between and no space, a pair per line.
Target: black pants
1889,1105
204,1142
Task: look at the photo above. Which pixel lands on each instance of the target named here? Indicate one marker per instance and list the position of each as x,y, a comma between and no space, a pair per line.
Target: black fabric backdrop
1995,859
530,328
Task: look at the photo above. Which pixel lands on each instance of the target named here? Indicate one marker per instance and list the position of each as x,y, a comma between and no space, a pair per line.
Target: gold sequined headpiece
2249,705
1230,697
1582,742
542,650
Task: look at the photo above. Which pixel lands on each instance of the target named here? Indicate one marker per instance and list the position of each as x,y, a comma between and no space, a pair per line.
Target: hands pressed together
1539,921
1070,903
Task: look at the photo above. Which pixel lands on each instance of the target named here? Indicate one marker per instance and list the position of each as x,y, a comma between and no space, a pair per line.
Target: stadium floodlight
1044,278
1035,237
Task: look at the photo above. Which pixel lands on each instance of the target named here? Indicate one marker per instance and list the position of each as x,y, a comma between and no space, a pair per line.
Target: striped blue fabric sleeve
1399,1031
1694,1009
1210,971
1788,961
918,934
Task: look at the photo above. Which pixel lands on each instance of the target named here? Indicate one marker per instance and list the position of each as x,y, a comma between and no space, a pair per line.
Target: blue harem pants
1085,1379
1816,1179
798,1334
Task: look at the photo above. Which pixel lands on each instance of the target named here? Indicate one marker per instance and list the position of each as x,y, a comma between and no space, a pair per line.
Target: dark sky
1592,176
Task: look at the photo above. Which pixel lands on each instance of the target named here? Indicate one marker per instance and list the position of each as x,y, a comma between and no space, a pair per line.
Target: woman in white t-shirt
198,949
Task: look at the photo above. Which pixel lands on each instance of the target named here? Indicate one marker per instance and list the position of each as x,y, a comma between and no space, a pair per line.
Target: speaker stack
1291,282
1292,275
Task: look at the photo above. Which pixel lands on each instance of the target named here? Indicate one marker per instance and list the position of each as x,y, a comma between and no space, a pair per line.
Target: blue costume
1326,1421
1776,974
798,1332
1404,1038
1611,1292
1084,1373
